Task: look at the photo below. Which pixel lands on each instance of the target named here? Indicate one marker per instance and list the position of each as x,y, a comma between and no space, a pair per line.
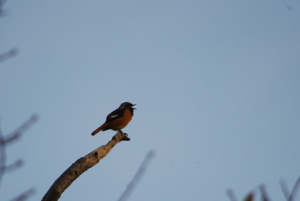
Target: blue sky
216,86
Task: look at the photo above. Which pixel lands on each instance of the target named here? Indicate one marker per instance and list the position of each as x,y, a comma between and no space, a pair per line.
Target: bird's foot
122,132
126,138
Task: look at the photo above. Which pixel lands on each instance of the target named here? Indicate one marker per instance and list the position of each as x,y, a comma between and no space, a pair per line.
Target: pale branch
80,166
137,177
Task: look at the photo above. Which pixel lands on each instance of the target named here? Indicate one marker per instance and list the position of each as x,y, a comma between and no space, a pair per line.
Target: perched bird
118,119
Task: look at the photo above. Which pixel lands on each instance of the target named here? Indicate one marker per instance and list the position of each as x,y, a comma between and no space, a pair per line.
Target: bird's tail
96,131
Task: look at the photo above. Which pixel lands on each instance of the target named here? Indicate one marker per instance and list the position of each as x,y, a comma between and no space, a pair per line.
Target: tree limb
80,166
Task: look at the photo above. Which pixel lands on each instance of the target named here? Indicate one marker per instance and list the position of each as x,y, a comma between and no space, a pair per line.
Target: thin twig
24,196
2,156
6,140
294,190
11,53
231,195
2,3
16,165
1,7
284,189
15,135
250,196
19,131
137,177
263,192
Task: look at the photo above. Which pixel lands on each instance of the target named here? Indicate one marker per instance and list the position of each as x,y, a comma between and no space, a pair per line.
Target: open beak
132,106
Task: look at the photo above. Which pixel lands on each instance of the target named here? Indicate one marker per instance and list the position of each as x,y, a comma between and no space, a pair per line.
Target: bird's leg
122,132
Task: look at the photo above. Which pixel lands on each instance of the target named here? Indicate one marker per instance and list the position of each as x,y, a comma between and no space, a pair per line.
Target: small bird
117,119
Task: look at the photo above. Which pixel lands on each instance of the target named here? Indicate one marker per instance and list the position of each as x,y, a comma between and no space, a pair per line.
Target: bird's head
127,105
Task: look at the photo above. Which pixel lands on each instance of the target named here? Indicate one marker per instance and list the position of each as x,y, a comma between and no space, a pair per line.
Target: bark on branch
80,166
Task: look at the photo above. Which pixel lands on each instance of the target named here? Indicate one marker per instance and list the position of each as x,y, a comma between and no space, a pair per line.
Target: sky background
216,83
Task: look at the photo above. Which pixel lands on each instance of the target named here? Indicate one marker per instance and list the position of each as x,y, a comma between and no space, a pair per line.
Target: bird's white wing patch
113,116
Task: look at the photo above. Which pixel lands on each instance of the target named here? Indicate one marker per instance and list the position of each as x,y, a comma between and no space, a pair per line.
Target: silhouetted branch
231,195
2,156
5,140
19,131
2,12
11,53
14,166
2,3
80,166
284,189
250,196
9,139
137,177
294,190
24,196
263,192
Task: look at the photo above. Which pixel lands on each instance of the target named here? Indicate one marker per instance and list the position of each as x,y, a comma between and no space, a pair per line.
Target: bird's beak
132,106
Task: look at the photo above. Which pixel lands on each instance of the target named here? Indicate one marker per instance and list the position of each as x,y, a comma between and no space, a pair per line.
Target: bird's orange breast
120,123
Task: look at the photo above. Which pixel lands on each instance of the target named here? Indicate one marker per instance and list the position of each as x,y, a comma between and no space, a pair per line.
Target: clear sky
216,83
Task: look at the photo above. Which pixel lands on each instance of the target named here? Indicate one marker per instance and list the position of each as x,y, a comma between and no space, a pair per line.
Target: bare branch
284,189
2,3
24,196
2,156
263,192
137,177
80,166
12,137
294,190
11,53
9,139
2,12
231,195
19,163
250,196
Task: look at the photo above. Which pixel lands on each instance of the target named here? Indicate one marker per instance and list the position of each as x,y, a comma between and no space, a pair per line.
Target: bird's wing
115,115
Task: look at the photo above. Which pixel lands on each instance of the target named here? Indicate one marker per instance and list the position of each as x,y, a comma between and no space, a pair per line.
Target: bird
117,119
